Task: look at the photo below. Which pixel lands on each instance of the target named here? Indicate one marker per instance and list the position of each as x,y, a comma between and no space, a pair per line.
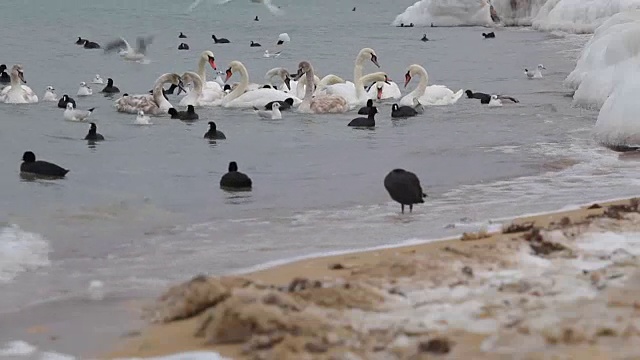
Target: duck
273,114
110,89
368,121
183,46
537,74
402,111
93,134
91,45
17,93
49,94
80,41
64,100
97,80
4,76
71,114
220,40
424,38
142,119
284,105
404,187
234,179
365,109
30,166
84,90
254,44
190,114
490,35
182,36
256,18
213,133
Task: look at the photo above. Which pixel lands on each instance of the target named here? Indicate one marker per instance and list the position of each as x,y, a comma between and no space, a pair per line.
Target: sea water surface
143,209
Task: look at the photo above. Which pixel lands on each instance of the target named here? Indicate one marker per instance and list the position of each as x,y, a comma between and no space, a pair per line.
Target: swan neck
15,80
424,80
357,77
244,83
308,93
202,73
157,88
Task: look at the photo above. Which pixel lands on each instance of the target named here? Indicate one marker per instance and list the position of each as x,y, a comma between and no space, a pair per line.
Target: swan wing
142,43
118,44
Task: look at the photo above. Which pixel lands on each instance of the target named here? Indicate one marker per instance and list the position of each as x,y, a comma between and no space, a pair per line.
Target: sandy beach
562,285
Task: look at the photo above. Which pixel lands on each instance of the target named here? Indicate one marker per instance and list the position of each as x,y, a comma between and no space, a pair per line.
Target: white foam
21,251
576,16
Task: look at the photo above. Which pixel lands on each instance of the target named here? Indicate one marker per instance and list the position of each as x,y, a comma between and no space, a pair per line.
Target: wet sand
562,284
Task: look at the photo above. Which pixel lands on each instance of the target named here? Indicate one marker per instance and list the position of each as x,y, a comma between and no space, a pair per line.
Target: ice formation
579,16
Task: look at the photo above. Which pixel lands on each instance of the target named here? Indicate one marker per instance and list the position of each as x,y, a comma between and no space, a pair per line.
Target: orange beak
212,62
379,94
229,73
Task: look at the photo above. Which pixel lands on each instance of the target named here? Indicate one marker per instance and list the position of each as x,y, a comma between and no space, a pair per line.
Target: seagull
537,74
129,53
71,114
267,54
270,6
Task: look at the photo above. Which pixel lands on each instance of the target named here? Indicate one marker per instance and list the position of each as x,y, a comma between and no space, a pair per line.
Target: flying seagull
268,3
127,52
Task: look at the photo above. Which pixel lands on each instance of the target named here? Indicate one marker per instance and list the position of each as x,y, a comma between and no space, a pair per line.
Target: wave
21,251
607,77
576,16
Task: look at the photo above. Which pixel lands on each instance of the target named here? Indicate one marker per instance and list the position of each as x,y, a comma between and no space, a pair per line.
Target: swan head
175,80
210,58
303,68
233,66
19,72
69,106
411,71
379,86
50,88
541,67
368,53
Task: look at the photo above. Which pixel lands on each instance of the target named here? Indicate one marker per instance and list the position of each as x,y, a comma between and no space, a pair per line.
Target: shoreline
343,287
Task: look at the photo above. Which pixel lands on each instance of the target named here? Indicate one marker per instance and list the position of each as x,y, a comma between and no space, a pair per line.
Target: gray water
143,208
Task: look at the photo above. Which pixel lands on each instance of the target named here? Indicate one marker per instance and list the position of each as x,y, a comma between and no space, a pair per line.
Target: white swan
273,114
130,53
155,103
71,114
97,80
537,74
383,90
17,93
84,90
281,74
50,94
238,98
198,96
321,103
354,92
427,95
495,102
142,119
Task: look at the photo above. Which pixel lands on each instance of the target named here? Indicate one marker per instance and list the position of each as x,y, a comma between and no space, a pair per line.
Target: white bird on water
273,114
84,90
50,94
495,101
71,114
142,119
267,54
537,74
270,6
97,80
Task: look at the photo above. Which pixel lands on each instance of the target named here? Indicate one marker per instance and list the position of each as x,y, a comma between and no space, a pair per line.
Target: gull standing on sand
130,53
270,6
